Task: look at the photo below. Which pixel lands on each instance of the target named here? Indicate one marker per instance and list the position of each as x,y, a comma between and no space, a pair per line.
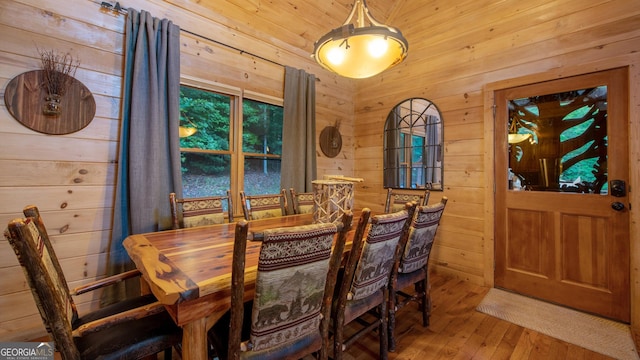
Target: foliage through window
413,146
211,158
566,141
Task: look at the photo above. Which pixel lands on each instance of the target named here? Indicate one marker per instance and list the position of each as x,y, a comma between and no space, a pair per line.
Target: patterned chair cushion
200,211
304,202
202,204
202,220
305,209
377,257
265,214
400,199
396,199
267,202
263,207
292,271
421,236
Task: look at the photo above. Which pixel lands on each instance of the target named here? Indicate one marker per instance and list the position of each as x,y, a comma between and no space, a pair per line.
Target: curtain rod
118,9
232,47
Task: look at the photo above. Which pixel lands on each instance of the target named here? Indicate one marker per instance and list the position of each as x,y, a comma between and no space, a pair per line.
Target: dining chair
363,287
257,207
411,269
295,281
129,329
200,211
302,202
396,199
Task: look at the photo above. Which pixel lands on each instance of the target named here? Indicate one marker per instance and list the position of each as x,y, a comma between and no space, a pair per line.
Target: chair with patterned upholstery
200,211
302,202
411,269
129,329
363,292
289,315
256,207
397,198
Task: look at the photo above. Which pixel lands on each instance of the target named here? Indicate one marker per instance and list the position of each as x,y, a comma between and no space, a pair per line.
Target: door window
558,141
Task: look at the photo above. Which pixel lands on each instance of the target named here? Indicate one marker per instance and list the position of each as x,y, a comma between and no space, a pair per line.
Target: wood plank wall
459,52
71,177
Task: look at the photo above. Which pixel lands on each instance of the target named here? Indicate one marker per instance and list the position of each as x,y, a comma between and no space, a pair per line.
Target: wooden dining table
189,271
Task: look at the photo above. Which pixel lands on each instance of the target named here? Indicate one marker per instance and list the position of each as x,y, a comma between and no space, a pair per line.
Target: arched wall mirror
413,139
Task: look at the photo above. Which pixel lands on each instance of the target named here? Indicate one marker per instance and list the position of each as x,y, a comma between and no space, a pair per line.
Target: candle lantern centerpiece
332,197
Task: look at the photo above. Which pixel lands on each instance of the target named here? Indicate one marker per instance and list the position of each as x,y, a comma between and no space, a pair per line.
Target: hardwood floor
458,331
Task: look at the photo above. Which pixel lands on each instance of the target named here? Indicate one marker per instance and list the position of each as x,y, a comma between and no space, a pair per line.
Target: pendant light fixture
514,137
186,131
363,49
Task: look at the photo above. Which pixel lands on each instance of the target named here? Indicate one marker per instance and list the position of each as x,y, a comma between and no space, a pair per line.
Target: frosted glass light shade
518,138
184,131
360,52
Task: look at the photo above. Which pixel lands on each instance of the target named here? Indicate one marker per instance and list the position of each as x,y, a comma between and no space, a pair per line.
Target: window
558,141
262,147
233,147
413,146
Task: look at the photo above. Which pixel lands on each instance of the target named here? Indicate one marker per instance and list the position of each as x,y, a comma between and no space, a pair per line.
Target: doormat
600,335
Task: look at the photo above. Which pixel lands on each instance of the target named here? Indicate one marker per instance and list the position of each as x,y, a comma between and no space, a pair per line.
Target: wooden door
558,236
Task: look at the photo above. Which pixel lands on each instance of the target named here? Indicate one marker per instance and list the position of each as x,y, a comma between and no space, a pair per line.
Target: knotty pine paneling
199,54
456,50
71,177
67,245
70,221
76,270
74,24
468,195
457,240
69,197
100,128
38,173
61,148
460,259
93,58
472,162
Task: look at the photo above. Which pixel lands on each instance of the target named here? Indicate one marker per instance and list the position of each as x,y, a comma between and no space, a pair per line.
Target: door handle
618,188
617,206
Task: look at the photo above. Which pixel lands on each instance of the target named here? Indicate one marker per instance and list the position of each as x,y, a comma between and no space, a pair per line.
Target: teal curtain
298,167
149,154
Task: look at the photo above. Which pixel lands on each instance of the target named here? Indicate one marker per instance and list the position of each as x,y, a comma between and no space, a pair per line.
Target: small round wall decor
330,141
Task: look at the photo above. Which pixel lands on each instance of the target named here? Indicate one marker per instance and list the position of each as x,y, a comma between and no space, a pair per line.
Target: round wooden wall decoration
330,141
25,100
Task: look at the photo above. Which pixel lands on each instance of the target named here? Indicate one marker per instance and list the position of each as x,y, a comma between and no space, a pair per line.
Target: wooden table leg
194,340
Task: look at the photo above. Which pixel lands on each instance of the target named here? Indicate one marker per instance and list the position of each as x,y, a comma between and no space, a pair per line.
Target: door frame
633,64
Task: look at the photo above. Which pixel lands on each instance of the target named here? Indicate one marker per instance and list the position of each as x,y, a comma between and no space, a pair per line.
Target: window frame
237,96
401,126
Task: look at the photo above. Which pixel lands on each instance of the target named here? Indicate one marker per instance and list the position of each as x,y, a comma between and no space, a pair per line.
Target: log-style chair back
302,202
412,265
257,207
104,333
200,211
364,285
296,275
396,199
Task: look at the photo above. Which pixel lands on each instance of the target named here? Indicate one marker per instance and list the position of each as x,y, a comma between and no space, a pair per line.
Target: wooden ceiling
298,23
